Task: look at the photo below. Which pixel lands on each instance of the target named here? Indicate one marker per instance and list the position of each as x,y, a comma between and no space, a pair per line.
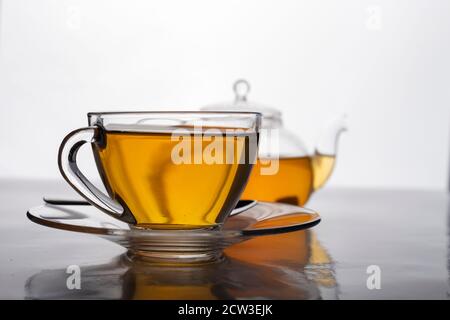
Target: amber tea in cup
166,170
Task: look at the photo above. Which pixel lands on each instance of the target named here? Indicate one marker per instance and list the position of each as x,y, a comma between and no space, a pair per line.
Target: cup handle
67,162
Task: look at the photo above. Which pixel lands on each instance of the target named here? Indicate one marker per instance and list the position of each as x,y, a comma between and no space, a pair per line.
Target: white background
384,63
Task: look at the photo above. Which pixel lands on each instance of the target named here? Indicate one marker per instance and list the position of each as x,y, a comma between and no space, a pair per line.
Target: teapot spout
324,156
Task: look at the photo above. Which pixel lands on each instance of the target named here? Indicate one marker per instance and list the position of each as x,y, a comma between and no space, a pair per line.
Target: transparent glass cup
165,170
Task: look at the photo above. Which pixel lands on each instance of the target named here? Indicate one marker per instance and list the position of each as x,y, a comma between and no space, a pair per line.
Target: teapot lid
241,88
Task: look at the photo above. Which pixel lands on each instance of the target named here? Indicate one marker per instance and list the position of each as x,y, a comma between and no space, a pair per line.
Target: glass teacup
165,170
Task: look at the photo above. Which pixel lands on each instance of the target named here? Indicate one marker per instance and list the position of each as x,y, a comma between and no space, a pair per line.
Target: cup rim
113,113
255,118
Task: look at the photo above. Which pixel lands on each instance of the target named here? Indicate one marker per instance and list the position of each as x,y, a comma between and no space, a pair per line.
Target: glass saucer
177,246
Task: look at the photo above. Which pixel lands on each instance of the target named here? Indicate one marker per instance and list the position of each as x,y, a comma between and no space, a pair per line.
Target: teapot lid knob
241,89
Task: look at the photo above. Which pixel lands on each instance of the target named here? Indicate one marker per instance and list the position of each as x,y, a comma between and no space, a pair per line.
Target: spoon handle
65,202
241,206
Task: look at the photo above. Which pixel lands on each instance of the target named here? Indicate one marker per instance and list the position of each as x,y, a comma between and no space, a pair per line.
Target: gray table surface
404,233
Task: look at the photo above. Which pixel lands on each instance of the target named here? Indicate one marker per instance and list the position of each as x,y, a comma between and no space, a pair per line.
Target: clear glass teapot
285,171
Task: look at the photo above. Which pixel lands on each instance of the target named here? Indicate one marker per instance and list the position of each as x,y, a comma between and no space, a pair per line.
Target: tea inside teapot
294,182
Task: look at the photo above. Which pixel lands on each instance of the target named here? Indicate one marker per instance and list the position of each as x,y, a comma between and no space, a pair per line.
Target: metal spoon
241,206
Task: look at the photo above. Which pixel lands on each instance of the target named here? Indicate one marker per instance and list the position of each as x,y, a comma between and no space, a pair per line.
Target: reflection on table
287,266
